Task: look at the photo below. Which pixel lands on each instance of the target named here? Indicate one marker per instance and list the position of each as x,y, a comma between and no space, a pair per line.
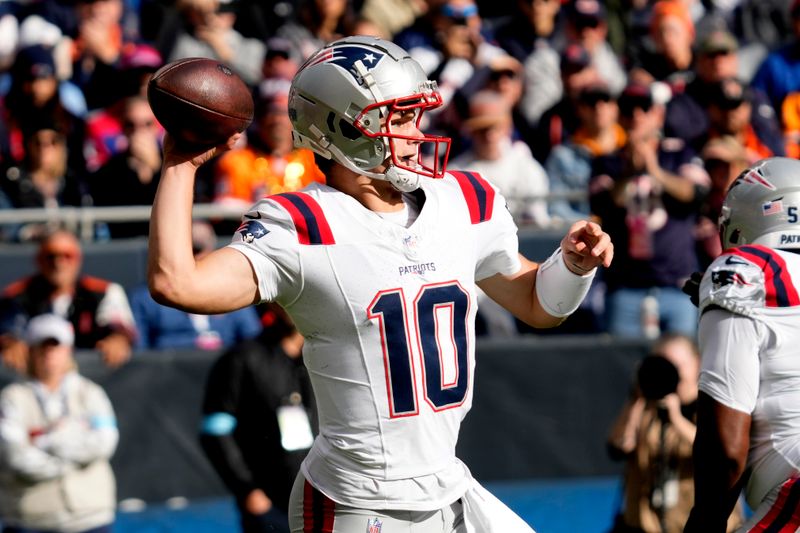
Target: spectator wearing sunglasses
648,194
560,121
131,176
730,112
569,165
98,309
716,59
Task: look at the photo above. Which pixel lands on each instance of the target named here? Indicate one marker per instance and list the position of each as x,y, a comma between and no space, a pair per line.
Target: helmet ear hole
734,238
348,130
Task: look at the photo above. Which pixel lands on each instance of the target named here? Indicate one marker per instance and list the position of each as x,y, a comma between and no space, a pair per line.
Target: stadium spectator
318,22
648,195
747,407
717,60
97,48
535,36
98,309
587,26
161,327
280,61
57,434
131,176
393,16
724,158
569,165
731,108
560,121
654,433
504,162
208,31
36,94
670,59
779,73
350,299
259,421
270,163
460,45
104,135
43,178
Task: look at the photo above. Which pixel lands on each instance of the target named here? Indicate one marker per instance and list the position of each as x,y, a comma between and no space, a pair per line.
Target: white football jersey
750,342
388,316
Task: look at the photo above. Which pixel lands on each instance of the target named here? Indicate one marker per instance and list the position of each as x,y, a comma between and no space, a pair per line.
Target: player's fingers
601,243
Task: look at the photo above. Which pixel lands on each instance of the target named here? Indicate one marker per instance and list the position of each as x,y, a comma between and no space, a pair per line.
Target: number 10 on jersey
437,327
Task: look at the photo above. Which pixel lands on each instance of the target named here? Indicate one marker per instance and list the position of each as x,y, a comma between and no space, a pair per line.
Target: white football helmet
341,104
762,206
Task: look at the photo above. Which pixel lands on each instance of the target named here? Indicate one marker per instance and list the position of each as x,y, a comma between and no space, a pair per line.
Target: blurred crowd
637,113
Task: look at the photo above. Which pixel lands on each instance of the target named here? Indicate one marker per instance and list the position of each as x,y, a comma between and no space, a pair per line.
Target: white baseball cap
49,327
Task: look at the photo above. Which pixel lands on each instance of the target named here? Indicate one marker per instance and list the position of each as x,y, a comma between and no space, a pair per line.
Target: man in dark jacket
259,421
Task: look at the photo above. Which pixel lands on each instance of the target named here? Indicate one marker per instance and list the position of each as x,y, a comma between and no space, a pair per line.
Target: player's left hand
586,246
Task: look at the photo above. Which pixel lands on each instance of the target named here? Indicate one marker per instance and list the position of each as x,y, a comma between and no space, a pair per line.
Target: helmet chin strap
401,179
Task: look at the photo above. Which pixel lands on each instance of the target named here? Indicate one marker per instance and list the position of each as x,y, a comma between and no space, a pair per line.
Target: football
200,102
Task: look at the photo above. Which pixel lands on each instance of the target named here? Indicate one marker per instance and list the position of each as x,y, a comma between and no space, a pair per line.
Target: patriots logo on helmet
374,527
252,230
346,57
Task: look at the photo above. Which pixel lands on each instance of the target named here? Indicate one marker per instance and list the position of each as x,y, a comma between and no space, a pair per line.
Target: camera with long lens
657,377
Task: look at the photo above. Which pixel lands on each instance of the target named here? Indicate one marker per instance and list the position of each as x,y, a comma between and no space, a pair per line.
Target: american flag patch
771,208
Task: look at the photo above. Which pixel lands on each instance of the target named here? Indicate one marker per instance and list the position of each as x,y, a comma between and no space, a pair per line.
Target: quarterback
378,269
748,430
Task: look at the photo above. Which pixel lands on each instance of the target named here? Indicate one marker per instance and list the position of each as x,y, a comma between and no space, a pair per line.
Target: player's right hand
176,153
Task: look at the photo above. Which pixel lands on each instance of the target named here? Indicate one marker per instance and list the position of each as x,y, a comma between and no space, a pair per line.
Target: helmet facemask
417,104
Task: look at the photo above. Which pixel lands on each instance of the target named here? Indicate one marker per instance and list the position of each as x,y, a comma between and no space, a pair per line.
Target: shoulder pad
478,193
746,278
309,220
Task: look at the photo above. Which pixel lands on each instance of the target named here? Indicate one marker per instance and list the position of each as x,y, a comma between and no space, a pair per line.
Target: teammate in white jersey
748,431
378,269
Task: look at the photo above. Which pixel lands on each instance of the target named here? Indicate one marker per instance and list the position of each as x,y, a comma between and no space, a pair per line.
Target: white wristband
559,290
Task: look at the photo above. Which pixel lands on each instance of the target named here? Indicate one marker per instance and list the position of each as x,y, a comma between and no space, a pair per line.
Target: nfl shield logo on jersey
374,527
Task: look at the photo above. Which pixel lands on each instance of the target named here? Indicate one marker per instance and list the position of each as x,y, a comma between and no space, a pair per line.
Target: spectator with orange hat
672,33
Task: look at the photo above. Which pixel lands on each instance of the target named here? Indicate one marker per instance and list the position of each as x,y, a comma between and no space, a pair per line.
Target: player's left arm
543,295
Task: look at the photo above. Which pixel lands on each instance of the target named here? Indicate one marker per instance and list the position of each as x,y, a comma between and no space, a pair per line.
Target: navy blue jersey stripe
480,194
781,294
314,233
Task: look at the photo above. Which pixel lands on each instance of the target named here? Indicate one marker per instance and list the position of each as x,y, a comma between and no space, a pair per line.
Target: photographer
654,433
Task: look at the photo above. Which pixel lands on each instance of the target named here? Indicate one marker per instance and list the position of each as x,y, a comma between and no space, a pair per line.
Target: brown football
200,101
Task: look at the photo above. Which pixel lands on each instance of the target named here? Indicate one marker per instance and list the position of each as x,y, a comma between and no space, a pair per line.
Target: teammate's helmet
763,206
342,95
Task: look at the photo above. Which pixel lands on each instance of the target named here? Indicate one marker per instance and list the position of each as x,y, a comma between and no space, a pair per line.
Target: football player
378,270
748,431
